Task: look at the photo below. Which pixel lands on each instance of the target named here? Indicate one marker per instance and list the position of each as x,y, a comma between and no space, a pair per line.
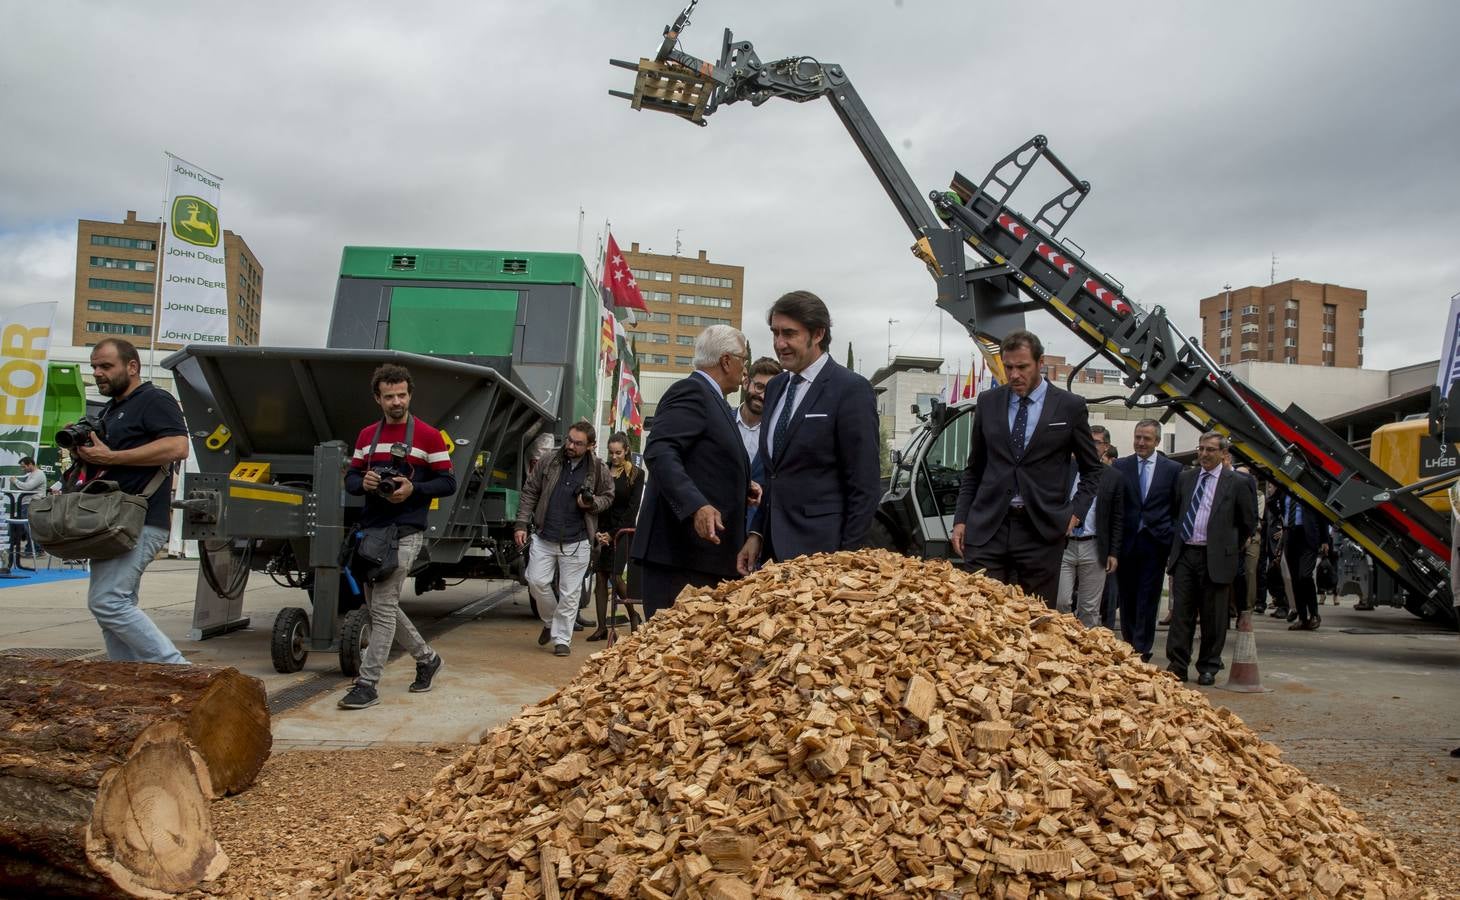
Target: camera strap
409,441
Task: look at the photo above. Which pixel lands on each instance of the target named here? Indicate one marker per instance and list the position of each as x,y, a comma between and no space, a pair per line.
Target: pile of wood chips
864,724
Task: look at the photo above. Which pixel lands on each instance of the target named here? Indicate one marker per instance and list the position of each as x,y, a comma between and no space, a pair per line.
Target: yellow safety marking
499,473
247,493
220,436
253,472
435,503
447,438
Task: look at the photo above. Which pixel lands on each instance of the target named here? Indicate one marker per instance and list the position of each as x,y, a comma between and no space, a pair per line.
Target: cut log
115,820
105,707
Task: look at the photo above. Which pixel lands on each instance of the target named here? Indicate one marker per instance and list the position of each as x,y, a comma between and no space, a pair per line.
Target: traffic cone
1243,676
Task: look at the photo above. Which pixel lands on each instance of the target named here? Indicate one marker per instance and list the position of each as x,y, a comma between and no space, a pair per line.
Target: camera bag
375,554
99,521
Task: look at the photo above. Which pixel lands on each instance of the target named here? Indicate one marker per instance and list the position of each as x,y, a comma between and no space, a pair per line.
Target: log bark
109,821
105,707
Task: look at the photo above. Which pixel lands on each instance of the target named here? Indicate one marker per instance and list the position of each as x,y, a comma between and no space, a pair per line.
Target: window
656,296
684,360
117,328
1327,347
1292,304
1290,342
136,309
1290,323
1249,310
656,359
1226,316
106,240
650,275
1225,332
139,265
684,340
1249,346
706,280
110,284
1249,328
1328,328
653,337
653,316
693,300
701,320
1291,360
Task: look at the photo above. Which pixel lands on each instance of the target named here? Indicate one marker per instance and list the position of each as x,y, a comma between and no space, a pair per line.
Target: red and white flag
619,282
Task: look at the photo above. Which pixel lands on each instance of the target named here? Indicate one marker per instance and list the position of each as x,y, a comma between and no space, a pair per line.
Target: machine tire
354,638
290,644
880,537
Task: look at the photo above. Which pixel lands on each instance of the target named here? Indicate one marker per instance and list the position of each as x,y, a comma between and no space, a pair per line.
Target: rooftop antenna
1272,273
676,238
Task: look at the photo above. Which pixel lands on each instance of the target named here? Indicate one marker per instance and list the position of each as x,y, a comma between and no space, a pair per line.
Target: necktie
783,424
1021,422
1145,478
1295,516
1188,523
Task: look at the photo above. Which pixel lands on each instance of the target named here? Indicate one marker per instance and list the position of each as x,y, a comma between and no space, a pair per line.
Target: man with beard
400,500
144,435
822,478
748,417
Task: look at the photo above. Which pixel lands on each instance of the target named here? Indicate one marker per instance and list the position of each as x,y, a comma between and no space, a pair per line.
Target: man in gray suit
1014,504
1216,515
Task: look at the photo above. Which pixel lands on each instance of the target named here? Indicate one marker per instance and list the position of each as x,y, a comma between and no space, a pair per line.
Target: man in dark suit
1305,537
1091,546
1216,515
1150,505
693,514
1014,505
819,445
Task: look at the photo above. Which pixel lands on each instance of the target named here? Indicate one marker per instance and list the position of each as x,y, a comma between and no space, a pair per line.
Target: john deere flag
194,277
25,344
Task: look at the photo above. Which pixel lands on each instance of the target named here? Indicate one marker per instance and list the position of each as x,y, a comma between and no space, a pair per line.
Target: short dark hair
1026,339
390,373
585,428
27,461
1111,452
766,365
126,350
806,309
1102,431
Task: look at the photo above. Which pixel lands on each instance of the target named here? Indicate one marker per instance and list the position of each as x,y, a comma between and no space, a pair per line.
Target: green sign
195,220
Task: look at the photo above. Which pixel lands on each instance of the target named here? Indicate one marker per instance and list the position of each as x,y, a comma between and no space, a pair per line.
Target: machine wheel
290,644
354,638
880,537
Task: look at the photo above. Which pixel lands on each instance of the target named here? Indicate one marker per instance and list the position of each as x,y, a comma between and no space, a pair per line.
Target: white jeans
570,562
1082,578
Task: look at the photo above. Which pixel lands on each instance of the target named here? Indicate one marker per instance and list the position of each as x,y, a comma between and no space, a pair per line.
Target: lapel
1046,412
998,404
715,397
811,393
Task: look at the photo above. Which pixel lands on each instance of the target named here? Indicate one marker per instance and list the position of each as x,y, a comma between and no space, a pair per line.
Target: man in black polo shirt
144,432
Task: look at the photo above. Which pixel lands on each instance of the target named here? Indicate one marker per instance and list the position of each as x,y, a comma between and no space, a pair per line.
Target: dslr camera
389,472
79,433
585,493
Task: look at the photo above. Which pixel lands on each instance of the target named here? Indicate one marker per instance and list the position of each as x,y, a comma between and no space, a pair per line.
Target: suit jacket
821,493
1040,477
1159,506
1231,521
1109,513
694,457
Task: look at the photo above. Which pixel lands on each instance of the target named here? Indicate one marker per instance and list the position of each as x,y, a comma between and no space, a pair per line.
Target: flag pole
157,277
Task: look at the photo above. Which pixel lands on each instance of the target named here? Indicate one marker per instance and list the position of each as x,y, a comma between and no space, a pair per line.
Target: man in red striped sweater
400,499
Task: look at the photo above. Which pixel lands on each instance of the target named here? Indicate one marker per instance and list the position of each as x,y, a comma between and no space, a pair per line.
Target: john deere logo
195,220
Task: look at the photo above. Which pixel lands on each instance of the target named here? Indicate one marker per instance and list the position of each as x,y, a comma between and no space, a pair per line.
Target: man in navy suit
818,447
1150,509
693,516
1217,513
1305,538
1014,505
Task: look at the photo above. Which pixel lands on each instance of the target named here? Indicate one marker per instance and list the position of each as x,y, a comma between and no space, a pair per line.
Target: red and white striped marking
1100,292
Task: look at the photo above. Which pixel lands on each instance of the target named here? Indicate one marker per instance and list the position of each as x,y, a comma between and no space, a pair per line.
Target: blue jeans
128,632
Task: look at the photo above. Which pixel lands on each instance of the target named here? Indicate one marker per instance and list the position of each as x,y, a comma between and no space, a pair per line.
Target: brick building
1295,322
116,284
684,295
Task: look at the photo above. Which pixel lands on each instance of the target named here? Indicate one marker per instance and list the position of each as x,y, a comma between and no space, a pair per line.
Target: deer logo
195,220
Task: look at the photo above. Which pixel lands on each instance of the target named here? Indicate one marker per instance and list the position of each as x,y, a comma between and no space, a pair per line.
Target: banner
25,348
630,415
194,271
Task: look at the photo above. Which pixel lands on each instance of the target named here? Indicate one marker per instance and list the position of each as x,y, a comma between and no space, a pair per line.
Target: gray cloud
1214,135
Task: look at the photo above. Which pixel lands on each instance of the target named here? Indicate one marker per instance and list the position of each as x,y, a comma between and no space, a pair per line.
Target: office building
684,295
1295,322
116,284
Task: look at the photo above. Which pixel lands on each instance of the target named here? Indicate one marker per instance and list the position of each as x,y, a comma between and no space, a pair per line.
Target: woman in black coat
628,491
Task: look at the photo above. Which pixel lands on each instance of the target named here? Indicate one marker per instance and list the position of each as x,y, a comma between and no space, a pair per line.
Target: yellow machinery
1407,451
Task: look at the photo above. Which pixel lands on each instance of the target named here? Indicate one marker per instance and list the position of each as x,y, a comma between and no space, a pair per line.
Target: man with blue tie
822,479
1014,505
1150,506
1305,537
1217,514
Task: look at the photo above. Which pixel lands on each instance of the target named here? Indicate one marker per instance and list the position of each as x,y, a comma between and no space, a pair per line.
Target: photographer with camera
134,442
561,501
400,464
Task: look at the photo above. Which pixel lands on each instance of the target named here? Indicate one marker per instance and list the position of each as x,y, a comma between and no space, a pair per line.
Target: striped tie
783,424
1188,524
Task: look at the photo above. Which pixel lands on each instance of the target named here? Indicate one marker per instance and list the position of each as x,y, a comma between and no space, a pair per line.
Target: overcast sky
1214,134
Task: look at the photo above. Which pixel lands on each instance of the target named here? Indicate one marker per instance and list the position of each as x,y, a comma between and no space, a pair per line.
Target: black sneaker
545,636
425,671
360,696
561,650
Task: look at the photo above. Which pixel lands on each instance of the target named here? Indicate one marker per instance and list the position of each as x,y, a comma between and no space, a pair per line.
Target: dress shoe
1206,679
598,635
1293,616
545,636
1297,626
1313,623
1279,612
